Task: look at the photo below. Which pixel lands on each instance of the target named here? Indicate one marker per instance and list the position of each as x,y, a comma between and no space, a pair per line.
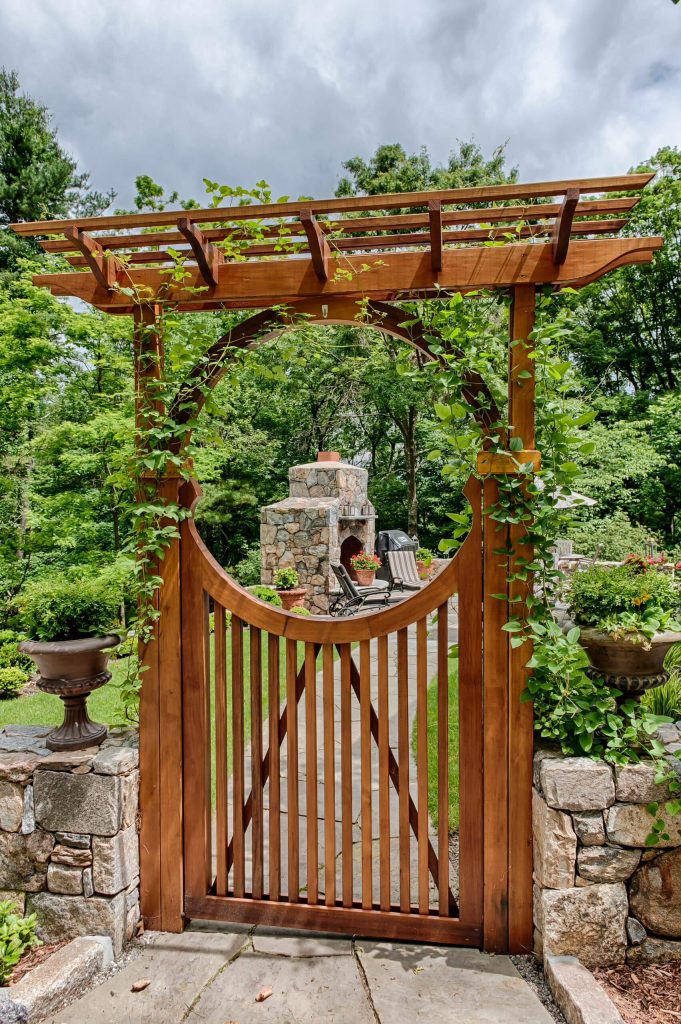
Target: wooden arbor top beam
398,275
323,248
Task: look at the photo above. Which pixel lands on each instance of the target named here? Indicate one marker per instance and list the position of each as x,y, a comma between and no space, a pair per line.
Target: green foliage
38,179
17,936
365,560
286,578
609,537
665,700
69,609
247,571
267,594
299,610
424,555
627,600
12,679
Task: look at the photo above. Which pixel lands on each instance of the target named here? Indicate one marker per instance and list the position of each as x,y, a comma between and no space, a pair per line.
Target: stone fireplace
325,520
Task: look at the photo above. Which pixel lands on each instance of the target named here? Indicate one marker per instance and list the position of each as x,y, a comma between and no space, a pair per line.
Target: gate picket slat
239,878
221,749
383,773
329,778
256,762
311,772
365,757
292,822
443,757
403,764
274,767
422,760
346,775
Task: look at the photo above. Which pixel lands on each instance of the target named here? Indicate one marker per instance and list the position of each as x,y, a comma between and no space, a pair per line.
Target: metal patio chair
353,599
404,574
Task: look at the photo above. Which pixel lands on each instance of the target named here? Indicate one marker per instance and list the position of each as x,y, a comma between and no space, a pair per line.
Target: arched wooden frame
435,244
267,324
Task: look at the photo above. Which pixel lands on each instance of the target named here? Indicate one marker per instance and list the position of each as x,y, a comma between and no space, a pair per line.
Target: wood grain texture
293,809
383,773
443,758
398,275
562,226
257,821
311,812
403,766
351,204
238,696
274,767
365,770
329,777
346,777
221,772
422,760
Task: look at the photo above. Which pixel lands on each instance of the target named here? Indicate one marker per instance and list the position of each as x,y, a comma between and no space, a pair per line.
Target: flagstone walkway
214,977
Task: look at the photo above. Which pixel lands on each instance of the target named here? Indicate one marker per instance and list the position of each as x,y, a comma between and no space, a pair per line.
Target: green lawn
44,709
453,748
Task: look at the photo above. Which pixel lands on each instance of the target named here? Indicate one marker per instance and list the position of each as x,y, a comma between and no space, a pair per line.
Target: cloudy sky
286,90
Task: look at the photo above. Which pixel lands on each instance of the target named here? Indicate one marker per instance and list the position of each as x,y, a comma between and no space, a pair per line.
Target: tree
390,169
631,319
38,179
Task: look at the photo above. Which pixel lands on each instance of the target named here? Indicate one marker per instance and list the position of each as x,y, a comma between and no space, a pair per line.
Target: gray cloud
288,89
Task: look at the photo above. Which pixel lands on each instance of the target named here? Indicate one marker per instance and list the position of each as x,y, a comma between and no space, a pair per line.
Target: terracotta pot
423,569
626,666
365,577
72,669
292,598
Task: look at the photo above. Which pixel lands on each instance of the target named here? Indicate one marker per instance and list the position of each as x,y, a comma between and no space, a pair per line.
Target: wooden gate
302,804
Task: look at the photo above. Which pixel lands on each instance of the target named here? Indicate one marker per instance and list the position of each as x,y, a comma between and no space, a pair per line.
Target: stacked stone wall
69,847
601,893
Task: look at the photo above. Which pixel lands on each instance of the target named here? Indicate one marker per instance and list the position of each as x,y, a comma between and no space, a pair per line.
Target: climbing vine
580,714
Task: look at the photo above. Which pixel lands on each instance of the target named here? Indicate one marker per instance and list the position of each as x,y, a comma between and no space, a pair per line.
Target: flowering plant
632,601
363,560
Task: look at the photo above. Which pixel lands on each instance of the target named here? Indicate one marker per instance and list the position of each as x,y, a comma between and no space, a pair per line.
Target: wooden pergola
321,258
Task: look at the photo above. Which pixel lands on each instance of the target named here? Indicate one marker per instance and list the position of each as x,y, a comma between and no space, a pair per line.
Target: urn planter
292,598
72,669
626,666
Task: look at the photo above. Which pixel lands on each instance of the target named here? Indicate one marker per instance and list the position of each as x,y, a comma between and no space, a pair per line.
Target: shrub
12,678
247,571
63,609
267,594
286,578
17,936
633,600
608,537
299,610
10,655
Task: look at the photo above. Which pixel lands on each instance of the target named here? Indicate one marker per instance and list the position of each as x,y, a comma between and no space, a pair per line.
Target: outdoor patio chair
352,598
404,574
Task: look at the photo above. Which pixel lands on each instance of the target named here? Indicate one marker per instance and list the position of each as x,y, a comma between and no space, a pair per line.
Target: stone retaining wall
600,893
69,846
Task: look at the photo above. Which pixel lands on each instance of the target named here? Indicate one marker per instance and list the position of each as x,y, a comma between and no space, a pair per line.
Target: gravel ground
530,969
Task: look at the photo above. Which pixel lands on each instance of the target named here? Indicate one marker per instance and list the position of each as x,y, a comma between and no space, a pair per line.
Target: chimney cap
328,457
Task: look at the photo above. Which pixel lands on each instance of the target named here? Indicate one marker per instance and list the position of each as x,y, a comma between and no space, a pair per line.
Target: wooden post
521,400
161,696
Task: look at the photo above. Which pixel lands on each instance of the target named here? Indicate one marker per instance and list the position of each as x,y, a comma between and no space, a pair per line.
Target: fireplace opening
351,546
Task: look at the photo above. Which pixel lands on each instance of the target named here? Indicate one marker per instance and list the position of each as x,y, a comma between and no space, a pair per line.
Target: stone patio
213,977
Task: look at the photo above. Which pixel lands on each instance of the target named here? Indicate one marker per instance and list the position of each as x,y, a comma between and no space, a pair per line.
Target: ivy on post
160,715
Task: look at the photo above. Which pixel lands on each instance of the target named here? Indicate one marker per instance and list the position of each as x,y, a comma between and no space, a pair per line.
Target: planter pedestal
77,731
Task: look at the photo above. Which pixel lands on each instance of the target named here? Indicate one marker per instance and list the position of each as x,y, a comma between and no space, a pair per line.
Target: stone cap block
577,993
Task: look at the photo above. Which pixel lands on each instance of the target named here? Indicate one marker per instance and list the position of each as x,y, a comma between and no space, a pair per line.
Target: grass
45,709
432,748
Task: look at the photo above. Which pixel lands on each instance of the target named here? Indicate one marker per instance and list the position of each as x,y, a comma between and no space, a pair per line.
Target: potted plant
629,619
365,566
70,623
286,581
424,558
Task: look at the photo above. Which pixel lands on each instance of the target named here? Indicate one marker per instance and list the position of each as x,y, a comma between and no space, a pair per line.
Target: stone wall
69,846
601,894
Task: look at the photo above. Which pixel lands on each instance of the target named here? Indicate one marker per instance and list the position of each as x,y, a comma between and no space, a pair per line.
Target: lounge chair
404,574
352,598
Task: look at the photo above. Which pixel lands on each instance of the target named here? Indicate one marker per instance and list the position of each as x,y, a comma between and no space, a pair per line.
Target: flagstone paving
214,976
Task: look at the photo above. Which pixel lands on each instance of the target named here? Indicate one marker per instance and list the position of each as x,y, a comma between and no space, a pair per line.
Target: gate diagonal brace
393,770
283,727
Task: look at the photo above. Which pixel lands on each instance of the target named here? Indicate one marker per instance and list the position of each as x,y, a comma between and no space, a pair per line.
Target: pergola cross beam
562,226
102,265
208,257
